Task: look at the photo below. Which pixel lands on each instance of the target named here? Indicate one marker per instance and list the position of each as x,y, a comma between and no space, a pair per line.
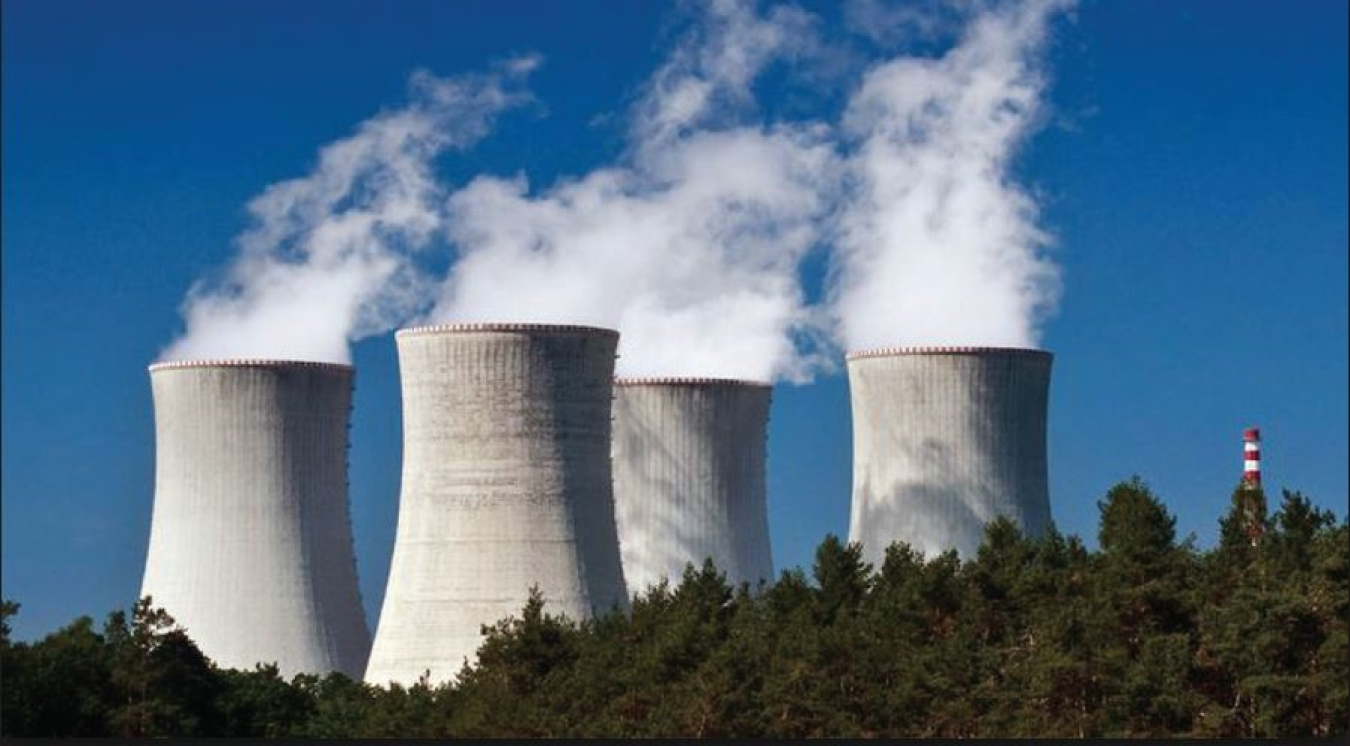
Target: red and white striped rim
1251,456
690,381
246,363
904,351
469,328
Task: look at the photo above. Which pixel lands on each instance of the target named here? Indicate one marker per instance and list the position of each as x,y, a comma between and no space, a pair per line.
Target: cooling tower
689,478
506,485
945,439
250,540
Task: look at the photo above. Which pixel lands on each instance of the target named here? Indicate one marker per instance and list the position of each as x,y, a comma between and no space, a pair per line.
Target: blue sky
1193,172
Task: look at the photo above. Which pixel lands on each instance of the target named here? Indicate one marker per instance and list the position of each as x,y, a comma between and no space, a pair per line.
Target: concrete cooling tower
506,485
250,540
689,478
945,439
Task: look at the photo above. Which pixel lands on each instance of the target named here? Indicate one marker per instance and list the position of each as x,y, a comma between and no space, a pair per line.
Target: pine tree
165,685
842,579
1145,596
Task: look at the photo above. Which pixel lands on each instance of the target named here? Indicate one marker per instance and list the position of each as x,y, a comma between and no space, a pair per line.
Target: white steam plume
328,259
690,244
936,243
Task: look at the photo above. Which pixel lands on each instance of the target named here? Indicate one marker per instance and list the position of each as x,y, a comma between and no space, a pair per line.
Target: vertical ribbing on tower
250,541
946,439
506,485
689,478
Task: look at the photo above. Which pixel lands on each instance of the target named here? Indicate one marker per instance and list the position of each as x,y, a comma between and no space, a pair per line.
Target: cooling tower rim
488,327
247,363
690,381
940,350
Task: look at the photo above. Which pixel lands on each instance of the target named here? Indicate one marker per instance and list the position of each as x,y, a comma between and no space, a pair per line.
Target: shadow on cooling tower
689,460
596,529
652,535
937,513
947,439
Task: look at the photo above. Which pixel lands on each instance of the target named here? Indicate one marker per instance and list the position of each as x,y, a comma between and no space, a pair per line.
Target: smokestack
689,477
1251,457
945,439
250,540
506,485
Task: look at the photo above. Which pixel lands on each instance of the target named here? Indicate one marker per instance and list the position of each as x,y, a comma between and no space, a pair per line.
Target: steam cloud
690,245
691,242
937,245
328,258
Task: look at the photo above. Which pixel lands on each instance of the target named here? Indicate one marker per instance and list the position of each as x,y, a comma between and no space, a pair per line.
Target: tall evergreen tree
1247,520
165,685
842,578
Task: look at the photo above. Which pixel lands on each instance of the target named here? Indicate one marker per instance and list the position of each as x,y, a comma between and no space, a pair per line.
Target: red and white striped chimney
1251,457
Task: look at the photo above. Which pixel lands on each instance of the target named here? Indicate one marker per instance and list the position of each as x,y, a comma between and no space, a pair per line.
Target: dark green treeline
1146,637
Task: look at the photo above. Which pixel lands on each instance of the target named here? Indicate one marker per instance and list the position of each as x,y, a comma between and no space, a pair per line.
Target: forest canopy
1145,636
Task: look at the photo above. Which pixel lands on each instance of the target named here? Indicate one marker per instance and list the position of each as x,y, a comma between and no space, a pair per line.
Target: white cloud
907,23
694,259
328,258
708,77
690,245
937,244
691,242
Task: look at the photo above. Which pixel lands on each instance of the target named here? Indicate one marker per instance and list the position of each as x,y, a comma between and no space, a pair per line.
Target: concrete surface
689,482
506,485
945,440
250,541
